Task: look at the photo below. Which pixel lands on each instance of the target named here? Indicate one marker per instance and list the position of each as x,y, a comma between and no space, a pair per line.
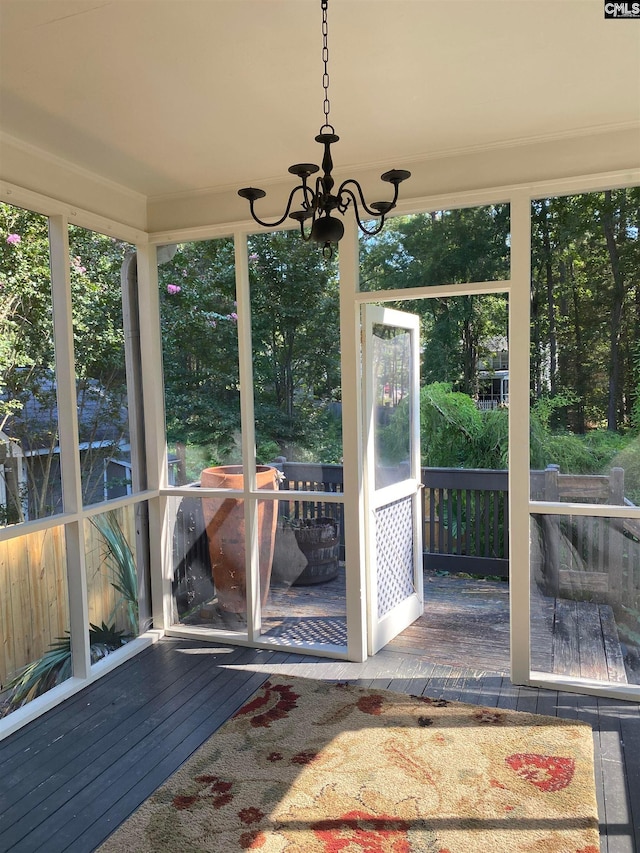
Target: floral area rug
314,767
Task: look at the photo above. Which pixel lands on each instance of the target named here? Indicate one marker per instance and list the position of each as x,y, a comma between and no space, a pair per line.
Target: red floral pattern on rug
371,704
487,716
313,767
273,703
546,772
361,831
211,788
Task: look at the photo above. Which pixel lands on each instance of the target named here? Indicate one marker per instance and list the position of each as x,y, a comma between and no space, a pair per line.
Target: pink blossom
233,316
76,263
172,289
14,239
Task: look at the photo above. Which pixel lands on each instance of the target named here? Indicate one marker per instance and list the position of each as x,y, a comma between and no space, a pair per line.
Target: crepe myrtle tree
28,385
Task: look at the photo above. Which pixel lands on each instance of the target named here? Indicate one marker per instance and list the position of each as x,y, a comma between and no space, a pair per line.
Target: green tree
28,388
586,305
446,247
200,349
296,339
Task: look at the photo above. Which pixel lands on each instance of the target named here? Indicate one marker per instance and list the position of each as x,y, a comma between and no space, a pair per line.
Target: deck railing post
617,588
551,528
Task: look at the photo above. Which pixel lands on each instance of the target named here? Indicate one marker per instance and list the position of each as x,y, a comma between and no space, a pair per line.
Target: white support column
350,360
247,420
68,441
519,334
155,439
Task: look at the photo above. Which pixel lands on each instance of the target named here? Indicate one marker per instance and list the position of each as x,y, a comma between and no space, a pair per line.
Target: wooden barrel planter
319,541
226,534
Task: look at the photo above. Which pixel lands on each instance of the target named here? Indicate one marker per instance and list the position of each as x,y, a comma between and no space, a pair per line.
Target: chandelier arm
306,236
374,213
378,228
292,194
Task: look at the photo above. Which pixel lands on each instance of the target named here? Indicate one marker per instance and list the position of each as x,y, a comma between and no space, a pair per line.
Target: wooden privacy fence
33,601
34,604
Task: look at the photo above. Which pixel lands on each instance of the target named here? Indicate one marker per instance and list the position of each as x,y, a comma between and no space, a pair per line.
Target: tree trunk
536,354
616,311
581,379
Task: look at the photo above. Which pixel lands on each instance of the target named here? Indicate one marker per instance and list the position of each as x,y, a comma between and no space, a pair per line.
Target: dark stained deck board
482,689
616,808
83,717
630,737
587,711
142,786
612,649
566,654
118,749
593,661
24,744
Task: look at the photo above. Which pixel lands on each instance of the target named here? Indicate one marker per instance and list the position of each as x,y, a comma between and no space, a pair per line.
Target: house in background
142,120
493,375
13,480
32,485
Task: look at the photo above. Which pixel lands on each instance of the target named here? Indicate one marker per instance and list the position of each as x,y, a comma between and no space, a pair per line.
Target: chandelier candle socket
319,204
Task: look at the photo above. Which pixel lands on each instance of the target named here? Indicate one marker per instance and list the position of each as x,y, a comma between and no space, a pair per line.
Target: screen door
393,486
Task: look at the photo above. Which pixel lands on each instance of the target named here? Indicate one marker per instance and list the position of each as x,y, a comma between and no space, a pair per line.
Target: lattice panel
394,554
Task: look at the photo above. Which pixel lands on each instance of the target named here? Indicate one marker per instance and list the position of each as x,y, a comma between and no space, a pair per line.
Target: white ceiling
175,96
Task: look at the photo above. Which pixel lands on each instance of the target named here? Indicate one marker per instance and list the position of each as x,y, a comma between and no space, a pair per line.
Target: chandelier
317,205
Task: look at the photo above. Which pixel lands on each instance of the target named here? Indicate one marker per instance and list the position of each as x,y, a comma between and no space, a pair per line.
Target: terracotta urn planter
224,520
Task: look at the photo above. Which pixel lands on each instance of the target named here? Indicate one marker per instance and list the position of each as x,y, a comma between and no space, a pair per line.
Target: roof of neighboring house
102,417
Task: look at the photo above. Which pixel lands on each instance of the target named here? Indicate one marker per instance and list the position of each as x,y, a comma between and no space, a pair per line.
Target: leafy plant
122,564
54,666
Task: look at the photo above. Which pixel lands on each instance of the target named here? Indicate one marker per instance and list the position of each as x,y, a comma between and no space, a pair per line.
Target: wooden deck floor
68,779
466,623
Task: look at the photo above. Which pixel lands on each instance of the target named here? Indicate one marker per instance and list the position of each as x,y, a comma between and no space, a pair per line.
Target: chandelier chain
325,59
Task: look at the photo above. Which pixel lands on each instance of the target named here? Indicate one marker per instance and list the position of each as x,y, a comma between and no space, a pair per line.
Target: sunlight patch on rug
308,766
